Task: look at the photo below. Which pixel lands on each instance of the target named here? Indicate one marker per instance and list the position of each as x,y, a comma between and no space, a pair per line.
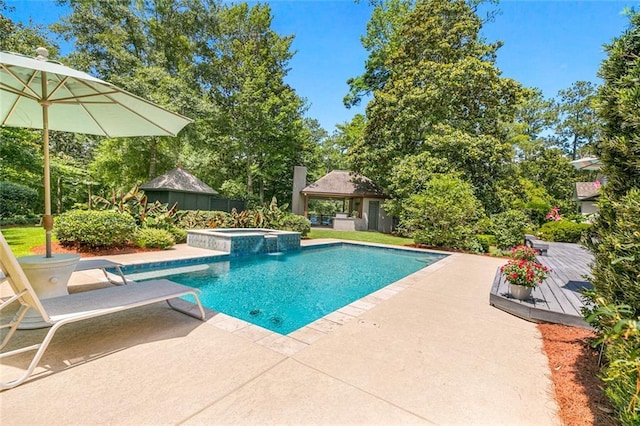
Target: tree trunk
261,191
153,158
575,146
249,180
59,196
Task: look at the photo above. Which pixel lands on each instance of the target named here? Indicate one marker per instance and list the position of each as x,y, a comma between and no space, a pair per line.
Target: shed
180,186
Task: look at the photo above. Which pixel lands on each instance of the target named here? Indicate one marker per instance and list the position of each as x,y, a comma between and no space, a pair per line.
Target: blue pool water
285,292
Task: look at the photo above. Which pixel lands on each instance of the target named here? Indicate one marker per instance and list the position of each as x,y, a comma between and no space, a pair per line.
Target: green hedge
563,231
293,222
154,238
17,201
93,228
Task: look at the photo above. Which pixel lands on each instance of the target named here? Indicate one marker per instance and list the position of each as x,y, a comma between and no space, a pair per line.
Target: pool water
285,292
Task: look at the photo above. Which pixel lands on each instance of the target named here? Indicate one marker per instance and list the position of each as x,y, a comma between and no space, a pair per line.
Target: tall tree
441,74
381,40
578,126
261,114
616,240
146,47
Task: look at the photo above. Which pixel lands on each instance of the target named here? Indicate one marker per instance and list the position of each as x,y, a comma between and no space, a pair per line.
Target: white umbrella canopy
587,163
42,94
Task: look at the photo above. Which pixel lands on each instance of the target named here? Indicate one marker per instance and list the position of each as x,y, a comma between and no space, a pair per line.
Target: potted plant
523,275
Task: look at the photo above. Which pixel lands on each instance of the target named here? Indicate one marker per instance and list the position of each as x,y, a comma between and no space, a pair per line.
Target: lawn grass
364,236
22,238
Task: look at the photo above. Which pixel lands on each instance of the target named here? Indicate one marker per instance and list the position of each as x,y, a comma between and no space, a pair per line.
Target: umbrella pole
47,220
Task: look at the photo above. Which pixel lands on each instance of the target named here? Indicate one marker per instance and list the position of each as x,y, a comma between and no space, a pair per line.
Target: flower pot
520,292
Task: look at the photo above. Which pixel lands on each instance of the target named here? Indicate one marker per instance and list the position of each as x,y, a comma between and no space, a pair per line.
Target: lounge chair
62,310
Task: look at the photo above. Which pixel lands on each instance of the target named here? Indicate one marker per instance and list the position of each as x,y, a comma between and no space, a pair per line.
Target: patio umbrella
587,163
42,94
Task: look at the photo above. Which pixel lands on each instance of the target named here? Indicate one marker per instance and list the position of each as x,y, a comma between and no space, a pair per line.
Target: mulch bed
57,248
574,372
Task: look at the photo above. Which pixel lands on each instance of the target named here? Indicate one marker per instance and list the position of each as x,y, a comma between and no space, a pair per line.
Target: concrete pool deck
432,351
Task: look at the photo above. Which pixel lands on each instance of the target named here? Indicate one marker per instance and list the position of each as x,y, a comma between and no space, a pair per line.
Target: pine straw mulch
573,362
574,372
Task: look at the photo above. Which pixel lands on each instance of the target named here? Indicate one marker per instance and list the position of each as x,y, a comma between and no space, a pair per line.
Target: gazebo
180,186
358,194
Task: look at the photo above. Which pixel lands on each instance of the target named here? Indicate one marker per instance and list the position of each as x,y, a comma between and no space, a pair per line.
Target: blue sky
547,44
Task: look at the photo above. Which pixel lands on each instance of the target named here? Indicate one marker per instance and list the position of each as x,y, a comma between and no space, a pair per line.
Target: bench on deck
533,242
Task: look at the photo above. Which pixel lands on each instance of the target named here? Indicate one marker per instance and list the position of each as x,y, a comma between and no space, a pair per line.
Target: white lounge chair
62,310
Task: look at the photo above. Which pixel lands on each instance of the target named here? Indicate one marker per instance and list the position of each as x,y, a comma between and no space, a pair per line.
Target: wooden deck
557,299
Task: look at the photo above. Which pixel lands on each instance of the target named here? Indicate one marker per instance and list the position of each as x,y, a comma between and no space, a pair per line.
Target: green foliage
441,75
614,238
197,219
296,223
563,231
578,127
620,335
93,229
486,241
154,238
17,200
179,235
442,214
135,202
508,228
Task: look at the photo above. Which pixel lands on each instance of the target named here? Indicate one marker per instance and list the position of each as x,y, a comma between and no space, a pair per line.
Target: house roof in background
181,180
587,191
343,183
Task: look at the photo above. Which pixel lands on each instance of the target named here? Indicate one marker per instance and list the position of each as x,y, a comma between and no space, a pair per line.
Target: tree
148,48
381,40
260,113
615,240
578,127
441,74
442,214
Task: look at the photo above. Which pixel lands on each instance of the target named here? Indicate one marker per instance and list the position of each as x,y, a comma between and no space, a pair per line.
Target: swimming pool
285,292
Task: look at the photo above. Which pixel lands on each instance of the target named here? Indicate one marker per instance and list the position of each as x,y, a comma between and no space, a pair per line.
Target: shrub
293,222
91,228
179,235
509,228
563,231
17,200
486,241
154,238
442,214
20,220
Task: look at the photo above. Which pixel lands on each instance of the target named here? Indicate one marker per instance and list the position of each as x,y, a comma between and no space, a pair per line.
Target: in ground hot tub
244,241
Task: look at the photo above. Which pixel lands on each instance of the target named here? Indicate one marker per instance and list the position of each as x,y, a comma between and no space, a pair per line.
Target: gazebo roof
586,191
344,184
180,180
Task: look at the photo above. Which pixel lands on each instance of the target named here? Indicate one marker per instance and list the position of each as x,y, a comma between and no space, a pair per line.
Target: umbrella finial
43,54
